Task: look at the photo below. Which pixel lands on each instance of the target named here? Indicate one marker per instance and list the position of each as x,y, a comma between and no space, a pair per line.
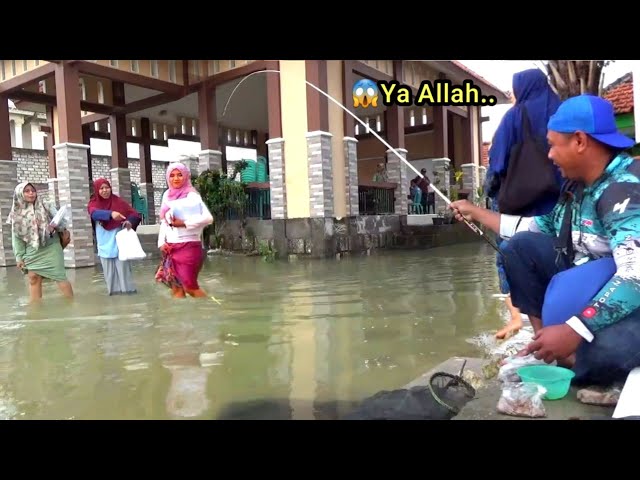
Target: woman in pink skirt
183,217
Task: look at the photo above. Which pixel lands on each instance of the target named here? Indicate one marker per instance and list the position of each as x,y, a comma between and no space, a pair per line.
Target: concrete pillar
482,176
441,182
277,178
397,171
351,172
147,192
73,181
470,179
54,193
192,163
8,182
210,160
320,174
145,186
121,183
18,122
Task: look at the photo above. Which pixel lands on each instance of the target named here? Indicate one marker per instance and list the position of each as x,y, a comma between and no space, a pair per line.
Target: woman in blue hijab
531,89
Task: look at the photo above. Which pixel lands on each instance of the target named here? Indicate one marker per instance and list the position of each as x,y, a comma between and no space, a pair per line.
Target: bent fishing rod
469,224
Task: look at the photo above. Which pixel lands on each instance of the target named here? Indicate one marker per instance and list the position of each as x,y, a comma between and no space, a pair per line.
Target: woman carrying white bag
113,218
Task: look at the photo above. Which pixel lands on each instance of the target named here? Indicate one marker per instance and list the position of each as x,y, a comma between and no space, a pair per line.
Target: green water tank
261,172
249,173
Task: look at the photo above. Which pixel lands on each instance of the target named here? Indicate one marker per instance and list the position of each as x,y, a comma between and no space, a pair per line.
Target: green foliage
222,195
267,253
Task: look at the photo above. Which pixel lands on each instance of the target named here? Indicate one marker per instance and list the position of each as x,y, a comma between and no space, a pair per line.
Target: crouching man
576,271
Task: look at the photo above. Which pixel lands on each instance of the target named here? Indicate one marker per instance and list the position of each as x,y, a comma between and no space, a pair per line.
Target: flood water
301,340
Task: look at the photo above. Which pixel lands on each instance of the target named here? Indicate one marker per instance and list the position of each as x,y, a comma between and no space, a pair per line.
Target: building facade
320,159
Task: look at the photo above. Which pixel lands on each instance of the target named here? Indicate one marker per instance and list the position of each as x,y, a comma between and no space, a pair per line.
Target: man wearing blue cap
577,276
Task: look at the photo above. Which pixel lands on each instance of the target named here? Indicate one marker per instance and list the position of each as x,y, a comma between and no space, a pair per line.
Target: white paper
55,221
185,208
129,247
629,402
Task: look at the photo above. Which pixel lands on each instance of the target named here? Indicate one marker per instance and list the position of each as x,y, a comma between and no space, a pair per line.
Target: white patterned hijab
29,221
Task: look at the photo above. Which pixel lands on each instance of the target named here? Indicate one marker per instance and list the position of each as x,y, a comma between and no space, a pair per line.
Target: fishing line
472,226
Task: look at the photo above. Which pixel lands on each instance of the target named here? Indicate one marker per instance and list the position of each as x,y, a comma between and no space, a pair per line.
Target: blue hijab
532,90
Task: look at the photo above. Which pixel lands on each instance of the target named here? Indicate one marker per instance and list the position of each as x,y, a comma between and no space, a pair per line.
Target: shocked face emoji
365,93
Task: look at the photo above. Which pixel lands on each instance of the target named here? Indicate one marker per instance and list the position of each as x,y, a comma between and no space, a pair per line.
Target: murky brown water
299,340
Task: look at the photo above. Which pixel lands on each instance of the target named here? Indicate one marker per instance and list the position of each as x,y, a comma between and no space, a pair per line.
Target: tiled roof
484,161
620,94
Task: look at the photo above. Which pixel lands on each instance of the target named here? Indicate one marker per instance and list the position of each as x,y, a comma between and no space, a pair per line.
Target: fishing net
441,399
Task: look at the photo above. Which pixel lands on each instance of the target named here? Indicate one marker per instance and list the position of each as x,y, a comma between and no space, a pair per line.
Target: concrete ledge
483,406
422,219
148,229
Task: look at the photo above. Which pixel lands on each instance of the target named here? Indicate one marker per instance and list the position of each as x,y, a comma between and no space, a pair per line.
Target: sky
500,73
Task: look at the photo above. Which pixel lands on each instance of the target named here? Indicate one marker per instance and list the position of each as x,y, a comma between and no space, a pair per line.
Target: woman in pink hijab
183,217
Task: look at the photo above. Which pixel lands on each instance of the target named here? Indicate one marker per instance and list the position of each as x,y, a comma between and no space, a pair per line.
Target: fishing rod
472,226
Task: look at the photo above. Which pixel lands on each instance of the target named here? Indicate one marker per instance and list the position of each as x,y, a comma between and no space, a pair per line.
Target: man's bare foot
603,396
514,325
510,329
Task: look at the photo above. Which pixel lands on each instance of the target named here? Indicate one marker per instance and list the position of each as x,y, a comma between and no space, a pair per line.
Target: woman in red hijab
110,214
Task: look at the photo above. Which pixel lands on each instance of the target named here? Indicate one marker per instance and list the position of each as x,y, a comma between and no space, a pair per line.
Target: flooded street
298,340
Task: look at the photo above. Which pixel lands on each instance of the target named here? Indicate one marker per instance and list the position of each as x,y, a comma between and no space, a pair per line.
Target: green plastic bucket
556,380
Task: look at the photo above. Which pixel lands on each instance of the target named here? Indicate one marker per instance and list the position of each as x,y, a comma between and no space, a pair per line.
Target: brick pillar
397,171
73,181
147,191
441,182
210,160
193,164
8,182
319,155
482,175
351,172
121,183
470,177
276,178
54,193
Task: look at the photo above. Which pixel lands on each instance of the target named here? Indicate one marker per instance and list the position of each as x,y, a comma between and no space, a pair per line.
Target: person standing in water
36,243
531,92
110,214
183,217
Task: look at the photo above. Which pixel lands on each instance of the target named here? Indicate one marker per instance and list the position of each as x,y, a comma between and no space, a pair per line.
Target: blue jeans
529,265
500,243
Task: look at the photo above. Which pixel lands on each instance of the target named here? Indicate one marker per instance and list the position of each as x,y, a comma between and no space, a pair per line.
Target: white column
37,139
18,122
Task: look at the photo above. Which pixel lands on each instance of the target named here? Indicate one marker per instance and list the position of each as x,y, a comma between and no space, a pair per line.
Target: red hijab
113,203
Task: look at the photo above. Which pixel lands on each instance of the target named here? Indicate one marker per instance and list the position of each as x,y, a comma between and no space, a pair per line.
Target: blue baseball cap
592,115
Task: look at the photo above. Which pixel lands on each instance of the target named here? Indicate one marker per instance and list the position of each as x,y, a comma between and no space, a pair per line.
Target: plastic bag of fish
522,400
509,370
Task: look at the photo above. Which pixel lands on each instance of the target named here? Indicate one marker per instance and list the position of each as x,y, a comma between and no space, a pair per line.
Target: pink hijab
176,193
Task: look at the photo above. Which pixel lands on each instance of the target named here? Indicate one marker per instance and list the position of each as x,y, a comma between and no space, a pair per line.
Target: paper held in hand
57,218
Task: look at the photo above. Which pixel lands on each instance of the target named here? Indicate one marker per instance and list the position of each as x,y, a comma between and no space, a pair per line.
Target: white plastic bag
129,247
509,371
